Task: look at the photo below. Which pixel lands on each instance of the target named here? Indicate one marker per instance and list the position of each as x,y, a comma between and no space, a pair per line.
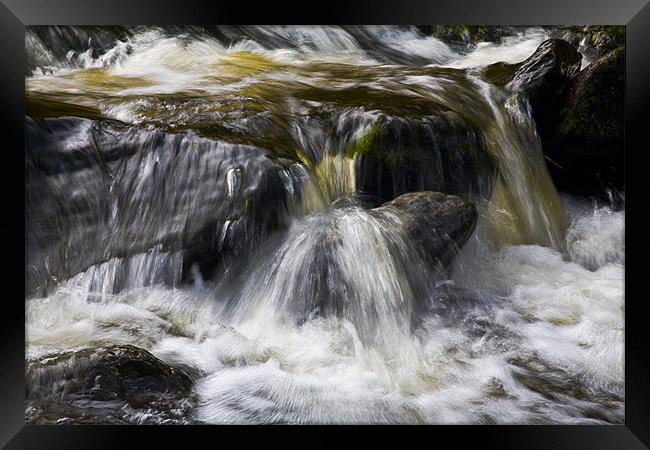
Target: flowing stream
318,309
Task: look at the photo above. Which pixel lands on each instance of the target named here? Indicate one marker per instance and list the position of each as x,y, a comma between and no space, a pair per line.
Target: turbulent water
330,316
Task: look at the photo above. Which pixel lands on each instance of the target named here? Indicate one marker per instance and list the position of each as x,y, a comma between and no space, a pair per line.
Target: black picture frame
634,14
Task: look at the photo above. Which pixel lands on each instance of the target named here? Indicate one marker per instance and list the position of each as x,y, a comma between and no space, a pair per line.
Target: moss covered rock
445,153
587,143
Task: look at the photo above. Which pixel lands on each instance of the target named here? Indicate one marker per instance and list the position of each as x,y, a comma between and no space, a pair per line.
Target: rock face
105,379
441,153
97,191
437,223
544,79
587,143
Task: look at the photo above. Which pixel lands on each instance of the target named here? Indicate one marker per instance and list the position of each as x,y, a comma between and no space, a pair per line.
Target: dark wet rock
96,191
437,224
443,153
587,145
106,385
544,80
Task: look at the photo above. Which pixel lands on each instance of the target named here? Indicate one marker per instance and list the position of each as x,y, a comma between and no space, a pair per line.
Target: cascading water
525,207
212,195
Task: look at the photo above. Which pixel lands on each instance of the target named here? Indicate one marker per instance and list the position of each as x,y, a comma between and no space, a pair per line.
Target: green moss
413,146
618,32
596,111
364,145
101,79
381,143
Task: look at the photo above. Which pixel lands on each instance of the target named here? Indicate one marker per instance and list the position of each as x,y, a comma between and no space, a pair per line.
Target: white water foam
272,370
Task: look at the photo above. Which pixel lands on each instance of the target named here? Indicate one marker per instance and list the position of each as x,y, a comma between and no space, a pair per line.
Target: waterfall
338,259
525,207
316,224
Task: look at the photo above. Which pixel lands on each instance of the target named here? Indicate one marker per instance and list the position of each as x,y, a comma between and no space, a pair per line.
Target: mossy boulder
105,383
442,152
588,143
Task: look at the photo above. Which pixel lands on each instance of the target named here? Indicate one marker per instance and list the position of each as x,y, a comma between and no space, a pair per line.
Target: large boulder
587,144
105,385
437,224
544,79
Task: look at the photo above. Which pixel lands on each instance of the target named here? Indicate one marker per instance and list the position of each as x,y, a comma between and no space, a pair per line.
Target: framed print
411,215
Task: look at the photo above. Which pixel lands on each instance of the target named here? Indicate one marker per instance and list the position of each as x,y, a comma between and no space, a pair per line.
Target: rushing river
327,313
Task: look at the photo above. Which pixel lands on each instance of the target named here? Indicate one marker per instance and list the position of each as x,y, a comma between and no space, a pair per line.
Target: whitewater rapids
548,318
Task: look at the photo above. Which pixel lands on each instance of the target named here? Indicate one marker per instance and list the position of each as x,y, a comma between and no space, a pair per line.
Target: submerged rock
544,79
436,223
106,385
587,144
